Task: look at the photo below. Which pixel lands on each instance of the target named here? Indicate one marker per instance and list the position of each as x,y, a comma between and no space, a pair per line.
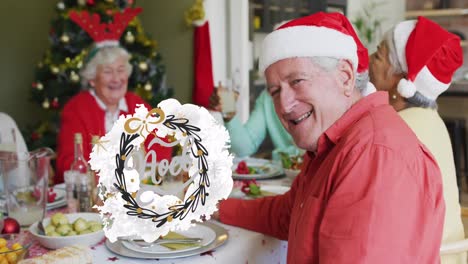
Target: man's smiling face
308,99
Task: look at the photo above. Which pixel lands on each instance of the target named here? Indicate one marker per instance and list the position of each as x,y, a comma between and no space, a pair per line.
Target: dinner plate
205,233
60,199
268,169
270,189
220,237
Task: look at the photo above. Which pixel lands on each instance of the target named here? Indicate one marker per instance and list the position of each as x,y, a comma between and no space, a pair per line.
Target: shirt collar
332,135
122,102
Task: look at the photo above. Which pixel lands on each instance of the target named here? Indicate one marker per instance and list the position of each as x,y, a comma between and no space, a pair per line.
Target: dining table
242,246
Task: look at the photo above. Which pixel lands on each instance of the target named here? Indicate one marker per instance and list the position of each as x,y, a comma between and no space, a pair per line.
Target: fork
141,243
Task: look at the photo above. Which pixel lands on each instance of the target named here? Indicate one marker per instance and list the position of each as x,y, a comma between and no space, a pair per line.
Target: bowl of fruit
13,247
62,230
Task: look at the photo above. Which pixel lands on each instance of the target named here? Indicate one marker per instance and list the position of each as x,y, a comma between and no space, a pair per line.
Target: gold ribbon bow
143,123
196,12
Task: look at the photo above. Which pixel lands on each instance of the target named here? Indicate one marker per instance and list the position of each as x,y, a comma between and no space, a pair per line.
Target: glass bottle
82,188
79,163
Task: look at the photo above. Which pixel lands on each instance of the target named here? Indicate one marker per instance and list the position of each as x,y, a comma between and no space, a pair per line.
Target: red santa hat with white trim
428,54
318,35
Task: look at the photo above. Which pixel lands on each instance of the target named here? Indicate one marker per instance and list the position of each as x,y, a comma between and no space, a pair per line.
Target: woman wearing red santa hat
359,197
105,74
415,63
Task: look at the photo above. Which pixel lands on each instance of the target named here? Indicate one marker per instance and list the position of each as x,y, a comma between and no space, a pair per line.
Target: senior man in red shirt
369,191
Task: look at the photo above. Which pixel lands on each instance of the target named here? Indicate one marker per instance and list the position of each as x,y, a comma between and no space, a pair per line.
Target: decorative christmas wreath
129,210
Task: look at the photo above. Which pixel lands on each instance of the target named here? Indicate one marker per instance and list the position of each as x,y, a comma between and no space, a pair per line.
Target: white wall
216,15
240,52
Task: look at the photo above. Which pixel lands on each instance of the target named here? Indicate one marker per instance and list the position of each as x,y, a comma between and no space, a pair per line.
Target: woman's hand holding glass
224,100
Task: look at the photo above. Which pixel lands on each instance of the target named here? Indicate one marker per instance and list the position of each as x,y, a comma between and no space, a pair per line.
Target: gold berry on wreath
39,86
143,66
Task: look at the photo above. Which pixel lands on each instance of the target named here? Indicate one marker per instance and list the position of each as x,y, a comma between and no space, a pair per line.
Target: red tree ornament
10,226
55,103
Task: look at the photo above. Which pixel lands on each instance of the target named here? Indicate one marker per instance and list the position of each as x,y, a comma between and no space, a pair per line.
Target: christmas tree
56,75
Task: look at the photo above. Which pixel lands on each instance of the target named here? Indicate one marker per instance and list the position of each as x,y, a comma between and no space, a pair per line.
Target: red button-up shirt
371,194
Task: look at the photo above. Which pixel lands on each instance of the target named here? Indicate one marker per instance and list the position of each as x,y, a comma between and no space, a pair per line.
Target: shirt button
302,205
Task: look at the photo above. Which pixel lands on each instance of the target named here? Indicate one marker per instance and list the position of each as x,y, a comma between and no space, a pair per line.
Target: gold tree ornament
143,66
74,77
65,38
196,12
39,86
46,104
60,6
148,87
129,38
54,69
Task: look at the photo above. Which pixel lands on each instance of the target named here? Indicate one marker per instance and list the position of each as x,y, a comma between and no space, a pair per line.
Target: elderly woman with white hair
415,62
92,112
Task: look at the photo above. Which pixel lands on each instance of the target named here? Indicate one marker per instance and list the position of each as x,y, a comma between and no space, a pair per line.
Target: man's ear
92,83
346,76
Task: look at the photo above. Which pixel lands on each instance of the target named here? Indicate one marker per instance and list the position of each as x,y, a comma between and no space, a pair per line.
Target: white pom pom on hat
429,54
406,88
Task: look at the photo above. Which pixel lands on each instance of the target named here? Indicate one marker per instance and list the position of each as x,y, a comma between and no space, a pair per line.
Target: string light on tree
82,2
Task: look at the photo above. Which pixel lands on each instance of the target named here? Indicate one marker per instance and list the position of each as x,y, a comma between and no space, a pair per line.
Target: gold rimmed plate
213,236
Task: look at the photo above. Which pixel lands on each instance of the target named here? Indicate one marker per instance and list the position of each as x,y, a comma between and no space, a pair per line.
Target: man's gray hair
329,64
417,100
104,56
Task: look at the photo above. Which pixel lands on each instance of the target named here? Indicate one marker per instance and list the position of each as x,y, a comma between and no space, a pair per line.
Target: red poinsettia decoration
250,187
242,168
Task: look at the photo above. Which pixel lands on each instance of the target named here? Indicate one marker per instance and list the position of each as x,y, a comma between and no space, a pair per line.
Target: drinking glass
25,179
